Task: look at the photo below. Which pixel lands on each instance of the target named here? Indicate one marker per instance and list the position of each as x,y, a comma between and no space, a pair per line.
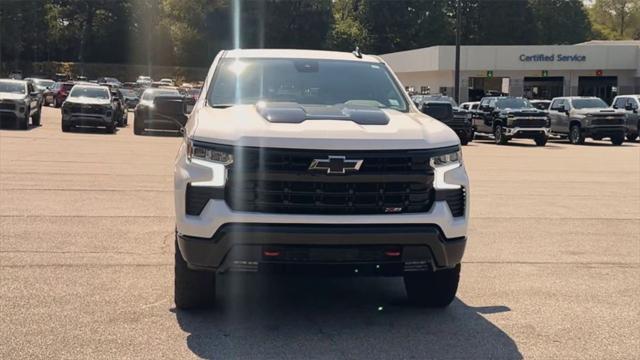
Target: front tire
541,140
432,289
192,289
111,128
632,136
66,127
499,136
617,140
576,137
138,127
464,139
35,119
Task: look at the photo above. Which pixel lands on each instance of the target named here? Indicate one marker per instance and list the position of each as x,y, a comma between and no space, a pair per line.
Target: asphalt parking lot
552,269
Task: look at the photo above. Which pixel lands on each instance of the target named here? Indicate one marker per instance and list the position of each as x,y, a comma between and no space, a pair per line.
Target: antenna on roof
357,52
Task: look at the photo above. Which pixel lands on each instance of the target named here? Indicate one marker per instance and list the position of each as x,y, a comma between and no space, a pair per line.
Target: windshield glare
441,98
43,83
151,94
307,82
588,103
13,87
513,104
89,92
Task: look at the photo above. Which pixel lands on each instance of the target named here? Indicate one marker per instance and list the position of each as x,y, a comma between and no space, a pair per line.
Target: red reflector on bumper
271,253
392,253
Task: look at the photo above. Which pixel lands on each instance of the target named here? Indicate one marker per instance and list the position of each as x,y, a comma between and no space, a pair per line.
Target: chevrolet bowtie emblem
336,165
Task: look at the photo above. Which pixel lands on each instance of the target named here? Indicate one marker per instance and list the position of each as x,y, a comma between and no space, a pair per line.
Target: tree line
191,32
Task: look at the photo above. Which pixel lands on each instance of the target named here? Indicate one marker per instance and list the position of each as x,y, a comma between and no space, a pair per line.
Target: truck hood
12,96
88,101
598,111
246,125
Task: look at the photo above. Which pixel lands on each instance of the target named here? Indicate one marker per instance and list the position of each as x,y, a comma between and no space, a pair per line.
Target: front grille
7,106
605,121
329,198
87,109
8,116
532,122
279,181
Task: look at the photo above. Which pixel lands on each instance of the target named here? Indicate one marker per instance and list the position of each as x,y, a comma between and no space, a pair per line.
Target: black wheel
24,123
192,289
66,127
35,119
632,136
464,139
541,140
617,139
111,128
56,102
576,136
432,289
499,136
138,127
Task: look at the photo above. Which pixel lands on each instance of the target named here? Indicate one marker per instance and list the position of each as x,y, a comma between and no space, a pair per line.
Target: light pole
456,88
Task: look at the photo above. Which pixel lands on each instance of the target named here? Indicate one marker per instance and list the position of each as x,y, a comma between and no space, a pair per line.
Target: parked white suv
312,161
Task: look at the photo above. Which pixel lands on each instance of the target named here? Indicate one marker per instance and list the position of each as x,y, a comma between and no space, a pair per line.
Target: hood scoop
293,113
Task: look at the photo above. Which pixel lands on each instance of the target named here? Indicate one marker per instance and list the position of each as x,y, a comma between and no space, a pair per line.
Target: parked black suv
507,117
445,109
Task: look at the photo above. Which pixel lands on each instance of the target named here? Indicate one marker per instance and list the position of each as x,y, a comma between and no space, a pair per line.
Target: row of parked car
101,103
504,118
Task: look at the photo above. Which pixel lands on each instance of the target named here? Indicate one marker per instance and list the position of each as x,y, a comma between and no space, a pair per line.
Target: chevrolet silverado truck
507,117
316,162
580,117
631,105
445,109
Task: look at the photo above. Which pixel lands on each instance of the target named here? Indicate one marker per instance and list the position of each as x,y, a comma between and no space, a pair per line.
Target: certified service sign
553,58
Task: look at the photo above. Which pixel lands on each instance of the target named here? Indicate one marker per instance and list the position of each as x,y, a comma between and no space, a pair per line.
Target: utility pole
456,88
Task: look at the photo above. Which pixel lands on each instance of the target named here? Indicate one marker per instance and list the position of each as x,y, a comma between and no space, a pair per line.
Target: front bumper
79,119
382,250
212,239
605,131
525,132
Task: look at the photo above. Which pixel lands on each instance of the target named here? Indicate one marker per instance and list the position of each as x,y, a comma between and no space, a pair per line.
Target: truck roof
299,54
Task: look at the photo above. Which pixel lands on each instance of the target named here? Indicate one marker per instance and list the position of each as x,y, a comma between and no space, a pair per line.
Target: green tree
616,19
561,21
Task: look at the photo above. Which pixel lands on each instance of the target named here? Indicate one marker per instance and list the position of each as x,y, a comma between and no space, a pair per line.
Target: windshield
13,87
588,103
128,92
441,98
89,92
151,94
307,82
513,104
43,83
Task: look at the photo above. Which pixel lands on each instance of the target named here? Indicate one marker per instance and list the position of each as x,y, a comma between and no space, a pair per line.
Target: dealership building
595,68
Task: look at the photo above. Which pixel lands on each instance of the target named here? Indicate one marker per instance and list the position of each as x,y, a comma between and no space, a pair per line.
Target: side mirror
34,93
172,109
629,107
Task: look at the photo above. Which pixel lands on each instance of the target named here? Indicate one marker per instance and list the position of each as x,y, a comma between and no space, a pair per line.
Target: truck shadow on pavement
359,318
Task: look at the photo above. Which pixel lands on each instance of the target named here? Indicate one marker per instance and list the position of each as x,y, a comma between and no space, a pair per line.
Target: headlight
441,164
204,153
215,160
447,159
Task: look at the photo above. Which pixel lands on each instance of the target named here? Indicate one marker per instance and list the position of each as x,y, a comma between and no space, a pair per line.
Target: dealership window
424,90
